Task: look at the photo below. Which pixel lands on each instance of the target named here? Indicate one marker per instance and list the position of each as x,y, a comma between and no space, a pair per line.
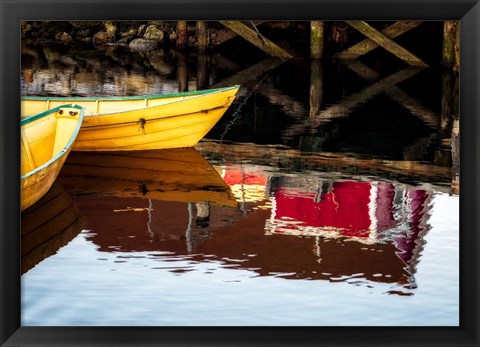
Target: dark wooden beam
368,45
386,43
260,41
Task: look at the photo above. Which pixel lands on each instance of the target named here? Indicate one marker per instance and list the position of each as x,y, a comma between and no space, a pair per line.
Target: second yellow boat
142,122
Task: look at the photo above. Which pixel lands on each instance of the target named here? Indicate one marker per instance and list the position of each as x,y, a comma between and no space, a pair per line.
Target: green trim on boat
135,97
67,146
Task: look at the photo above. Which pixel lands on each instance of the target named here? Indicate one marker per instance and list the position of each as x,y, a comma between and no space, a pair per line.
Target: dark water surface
326,195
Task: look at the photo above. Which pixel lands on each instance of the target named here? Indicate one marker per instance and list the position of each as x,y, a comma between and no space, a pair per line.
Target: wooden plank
259,41
368,45
386,43
222,36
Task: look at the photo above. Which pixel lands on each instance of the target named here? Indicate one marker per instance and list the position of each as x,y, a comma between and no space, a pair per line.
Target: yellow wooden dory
142,122
46,140
180,174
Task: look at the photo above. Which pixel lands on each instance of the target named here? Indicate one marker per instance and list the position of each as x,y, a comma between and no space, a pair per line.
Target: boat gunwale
69,143
129,97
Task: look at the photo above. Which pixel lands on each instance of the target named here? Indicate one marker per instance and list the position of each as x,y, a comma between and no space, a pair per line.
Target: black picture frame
13,11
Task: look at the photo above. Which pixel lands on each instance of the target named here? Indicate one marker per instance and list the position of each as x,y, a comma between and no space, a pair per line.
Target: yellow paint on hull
148,123
46,140
180,174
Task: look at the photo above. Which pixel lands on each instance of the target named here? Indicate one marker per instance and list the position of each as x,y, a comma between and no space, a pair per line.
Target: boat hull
46,141
142,123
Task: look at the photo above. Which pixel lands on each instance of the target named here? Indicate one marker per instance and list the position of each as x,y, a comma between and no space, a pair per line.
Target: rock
124,41
111,28
128,33
153,32
143,44
84,24
102,38
64,38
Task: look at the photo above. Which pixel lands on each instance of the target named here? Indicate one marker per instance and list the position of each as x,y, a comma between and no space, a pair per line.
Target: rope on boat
142,122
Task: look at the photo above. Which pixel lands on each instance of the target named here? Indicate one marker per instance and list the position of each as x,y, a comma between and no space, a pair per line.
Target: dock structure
252,35
316,39
384,40
451,52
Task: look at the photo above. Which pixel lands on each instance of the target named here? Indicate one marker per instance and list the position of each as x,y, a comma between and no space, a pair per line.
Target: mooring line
236,114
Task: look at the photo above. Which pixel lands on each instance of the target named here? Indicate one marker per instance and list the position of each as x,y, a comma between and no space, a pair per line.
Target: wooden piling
202,36
182,34
456,64
202,70
182,75
449,38
316,39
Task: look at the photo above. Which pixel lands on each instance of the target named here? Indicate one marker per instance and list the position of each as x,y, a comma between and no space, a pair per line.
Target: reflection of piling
182,34
443,155
456,139
202,71
316,39
202,36
450,127
449,42
182,72
316,87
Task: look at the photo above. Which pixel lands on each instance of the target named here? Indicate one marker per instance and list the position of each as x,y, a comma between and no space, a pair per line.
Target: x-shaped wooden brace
387,85
416,108
382,39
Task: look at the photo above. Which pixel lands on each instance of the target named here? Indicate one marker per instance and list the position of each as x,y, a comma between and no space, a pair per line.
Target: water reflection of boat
48,225
171,174
247,182
46,141
142,122
381,242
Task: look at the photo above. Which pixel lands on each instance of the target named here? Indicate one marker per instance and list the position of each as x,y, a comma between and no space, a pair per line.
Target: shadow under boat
49,224
182,175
